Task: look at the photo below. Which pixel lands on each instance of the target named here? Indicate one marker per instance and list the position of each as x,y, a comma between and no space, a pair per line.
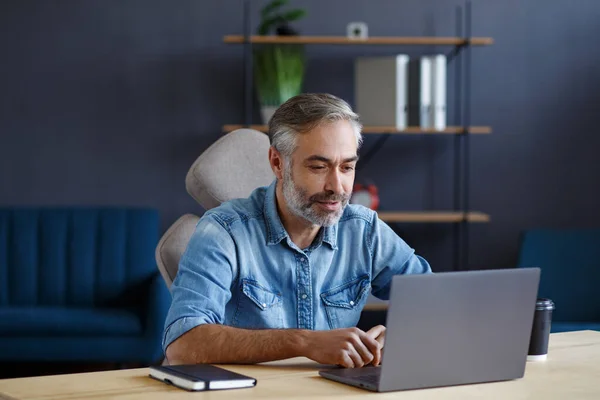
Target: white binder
426,120
438,86
420,93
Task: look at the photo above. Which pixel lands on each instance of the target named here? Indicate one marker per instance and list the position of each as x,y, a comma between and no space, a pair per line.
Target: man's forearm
217,344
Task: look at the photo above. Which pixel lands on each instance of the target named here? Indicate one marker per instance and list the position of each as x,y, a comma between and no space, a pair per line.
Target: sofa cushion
45,321
570,263
574,326
74,256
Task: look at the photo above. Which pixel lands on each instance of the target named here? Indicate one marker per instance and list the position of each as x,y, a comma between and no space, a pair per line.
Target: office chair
230,168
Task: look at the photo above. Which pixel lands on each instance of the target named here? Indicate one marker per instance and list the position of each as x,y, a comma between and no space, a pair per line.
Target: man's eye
316,167
348,168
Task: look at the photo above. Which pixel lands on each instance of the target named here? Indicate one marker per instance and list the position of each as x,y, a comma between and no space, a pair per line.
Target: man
287,271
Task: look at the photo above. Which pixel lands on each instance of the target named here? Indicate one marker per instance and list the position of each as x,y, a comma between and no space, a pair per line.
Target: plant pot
278,74
267,112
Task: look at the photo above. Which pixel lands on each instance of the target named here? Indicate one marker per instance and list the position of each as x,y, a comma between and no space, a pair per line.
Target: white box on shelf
381,90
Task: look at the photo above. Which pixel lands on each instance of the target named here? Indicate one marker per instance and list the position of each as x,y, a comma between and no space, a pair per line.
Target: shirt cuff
179,327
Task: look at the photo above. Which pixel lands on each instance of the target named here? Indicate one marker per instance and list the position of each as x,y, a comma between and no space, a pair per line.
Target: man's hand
350,347
378,333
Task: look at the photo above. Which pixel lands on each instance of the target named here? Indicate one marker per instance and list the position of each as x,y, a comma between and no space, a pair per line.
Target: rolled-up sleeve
391,256
202,286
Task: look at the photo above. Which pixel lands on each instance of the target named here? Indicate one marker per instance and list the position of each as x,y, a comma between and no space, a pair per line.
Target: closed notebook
200,377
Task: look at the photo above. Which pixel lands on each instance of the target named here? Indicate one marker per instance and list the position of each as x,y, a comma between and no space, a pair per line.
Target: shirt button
264,304
351,303
304,296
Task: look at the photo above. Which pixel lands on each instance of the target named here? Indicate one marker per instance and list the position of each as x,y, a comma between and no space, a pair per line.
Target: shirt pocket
344,303
258,307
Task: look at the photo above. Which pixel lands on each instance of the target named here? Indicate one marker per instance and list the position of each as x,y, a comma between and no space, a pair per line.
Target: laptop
452,328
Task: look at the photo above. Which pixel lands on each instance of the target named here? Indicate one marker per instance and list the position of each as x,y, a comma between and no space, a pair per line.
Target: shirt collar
330,236
276,231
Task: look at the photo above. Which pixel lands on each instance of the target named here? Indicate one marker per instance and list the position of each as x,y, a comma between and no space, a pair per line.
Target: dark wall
109,102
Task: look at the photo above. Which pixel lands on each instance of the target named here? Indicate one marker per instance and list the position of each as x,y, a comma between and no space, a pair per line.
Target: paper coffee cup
540,331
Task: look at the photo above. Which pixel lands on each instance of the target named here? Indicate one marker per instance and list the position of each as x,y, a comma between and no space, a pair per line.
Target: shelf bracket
454,52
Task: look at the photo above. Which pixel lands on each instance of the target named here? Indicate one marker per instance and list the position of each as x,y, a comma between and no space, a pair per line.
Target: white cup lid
540,357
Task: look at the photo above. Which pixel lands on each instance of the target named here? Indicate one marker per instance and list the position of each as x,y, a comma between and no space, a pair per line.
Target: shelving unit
433,216
368,130
381,40
461,215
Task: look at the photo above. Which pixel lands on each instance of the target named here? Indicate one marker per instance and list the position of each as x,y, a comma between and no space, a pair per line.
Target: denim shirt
241,269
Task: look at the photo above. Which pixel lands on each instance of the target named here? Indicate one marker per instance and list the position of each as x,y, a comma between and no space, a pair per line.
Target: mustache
329,196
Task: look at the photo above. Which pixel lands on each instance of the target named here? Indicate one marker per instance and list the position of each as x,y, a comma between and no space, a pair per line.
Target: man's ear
276,161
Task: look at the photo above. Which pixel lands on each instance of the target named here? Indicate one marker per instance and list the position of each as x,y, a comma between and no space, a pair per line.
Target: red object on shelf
366,195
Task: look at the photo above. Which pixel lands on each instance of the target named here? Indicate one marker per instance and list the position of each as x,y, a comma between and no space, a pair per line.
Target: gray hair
304,112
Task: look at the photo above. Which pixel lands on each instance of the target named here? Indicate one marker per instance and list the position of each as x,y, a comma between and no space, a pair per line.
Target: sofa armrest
158,303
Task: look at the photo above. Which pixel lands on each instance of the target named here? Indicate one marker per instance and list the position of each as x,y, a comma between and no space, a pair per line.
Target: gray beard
298,203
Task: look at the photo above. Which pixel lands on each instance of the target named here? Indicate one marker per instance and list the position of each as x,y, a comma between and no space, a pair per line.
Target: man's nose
334,182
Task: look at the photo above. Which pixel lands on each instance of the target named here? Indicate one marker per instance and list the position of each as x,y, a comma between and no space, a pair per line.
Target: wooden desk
572,371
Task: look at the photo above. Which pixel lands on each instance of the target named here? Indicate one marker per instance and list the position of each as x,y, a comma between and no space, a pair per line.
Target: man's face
318,181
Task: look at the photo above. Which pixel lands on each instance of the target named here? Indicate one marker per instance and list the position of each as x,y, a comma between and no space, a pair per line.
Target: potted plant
278,68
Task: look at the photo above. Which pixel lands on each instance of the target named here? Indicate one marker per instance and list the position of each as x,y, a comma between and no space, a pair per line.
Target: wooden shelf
415,130
376,40
376,306
411,130
433,216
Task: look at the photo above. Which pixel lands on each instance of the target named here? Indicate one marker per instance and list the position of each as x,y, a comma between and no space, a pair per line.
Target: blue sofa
570,263
80,284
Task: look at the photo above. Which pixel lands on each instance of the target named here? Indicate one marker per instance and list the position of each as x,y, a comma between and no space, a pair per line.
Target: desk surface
571,371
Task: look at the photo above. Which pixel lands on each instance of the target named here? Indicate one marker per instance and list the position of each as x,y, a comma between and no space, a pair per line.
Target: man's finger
347,362
372,346
365,350
356,358
376,331
377,354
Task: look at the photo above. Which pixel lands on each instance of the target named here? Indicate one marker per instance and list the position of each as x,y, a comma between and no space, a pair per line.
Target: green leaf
265,27
272,6
278,72
294,15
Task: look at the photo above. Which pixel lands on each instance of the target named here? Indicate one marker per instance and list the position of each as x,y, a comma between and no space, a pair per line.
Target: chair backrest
230,168
74,256
570,264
